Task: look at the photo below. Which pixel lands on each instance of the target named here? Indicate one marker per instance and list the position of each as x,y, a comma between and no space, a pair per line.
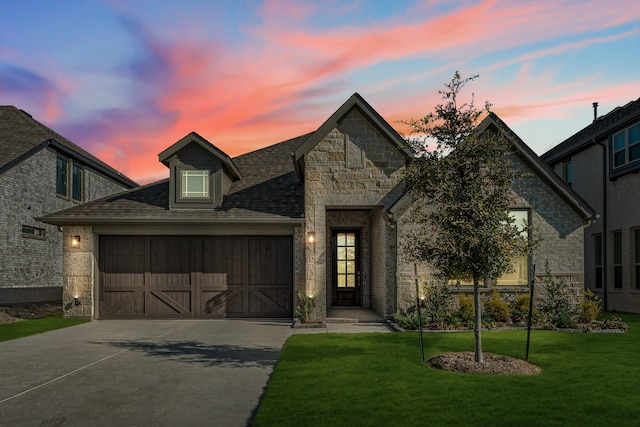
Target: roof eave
89,221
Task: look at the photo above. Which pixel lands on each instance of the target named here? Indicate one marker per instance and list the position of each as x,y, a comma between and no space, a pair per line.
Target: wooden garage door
196,277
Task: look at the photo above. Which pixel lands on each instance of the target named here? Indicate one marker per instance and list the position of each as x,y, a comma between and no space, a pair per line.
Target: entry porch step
352,315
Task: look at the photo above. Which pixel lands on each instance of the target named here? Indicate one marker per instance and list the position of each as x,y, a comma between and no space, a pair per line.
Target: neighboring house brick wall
620,214
27,191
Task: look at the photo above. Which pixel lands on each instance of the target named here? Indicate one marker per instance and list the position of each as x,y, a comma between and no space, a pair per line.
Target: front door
346,267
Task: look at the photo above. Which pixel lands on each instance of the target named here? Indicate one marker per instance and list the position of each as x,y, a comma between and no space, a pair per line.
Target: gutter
82,221
605,268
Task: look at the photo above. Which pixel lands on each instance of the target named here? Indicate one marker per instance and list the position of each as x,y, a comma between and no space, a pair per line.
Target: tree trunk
477,320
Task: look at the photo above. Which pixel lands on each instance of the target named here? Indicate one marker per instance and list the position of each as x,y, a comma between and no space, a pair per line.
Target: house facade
324,214
601,163
41,172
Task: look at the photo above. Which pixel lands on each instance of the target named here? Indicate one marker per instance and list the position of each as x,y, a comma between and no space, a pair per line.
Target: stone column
78,272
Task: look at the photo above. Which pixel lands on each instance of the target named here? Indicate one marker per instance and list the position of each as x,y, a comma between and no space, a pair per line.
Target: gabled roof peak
193,138
354,101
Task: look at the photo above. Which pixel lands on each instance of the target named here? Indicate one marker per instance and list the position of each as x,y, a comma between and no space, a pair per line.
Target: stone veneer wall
27,191
354,166
558,225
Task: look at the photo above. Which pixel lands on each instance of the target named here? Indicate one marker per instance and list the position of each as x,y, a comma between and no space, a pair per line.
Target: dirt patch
32,311
494,364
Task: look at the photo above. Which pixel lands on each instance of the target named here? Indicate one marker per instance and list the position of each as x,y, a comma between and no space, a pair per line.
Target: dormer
200,173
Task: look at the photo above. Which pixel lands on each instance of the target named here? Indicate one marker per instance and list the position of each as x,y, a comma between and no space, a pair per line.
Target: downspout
603,216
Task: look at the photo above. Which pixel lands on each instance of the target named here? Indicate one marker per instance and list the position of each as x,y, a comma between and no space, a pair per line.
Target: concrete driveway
139,373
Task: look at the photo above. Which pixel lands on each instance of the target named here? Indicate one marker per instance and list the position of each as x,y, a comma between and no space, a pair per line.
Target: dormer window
200,174
195,184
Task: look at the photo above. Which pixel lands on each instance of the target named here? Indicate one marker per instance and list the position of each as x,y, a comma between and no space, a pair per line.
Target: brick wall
28,191
622,207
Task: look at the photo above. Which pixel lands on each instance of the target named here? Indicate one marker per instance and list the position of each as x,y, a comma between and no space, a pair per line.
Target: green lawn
377,380
9,331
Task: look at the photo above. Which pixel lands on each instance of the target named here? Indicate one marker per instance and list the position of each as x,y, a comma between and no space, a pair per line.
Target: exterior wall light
311,237
76,300
75,242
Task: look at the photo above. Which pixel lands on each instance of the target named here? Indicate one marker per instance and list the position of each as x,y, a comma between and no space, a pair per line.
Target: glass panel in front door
346,260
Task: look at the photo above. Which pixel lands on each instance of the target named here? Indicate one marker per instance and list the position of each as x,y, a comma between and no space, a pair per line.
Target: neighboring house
41,172
324,213
601,163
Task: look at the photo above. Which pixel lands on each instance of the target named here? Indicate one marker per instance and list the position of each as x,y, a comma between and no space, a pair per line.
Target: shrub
496,309
520,308
465,309
438,304
589,307
555,304
305,307
407,321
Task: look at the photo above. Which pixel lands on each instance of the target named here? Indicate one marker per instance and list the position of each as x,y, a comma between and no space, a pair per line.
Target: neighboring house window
617,259
33,232
597,240
568,172
62,172
637,256
76,182
520,274
626,146
66,187
195,184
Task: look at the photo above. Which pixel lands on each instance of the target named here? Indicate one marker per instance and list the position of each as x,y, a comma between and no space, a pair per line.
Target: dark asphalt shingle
269,188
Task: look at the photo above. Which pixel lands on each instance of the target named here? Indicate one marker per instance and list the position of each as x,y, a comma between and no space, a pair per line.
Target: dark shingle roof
602,126
268,191
21,135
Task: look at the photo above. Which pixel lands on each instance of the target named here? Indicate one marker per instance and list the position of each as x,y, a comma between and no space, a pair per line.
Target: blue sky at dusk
126,79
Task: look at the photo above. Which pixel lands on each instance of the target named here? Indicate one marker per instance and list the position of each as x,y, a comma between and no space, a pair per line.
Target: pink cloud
294,75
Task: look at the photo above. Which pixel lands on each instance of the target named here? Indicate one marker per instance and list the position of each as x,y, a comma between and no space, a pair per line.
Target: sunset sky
125,79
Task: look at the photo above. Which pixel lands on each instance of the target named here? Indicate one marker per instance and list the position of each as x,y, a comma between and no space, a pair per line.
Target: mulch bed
494,364
32,311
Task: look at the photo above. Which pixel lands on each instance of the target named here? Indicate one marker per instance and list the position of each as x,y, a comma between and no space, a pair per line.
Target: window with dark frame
33,232
597,239
69,179
62,172
617,260
625,146
76,182
568,172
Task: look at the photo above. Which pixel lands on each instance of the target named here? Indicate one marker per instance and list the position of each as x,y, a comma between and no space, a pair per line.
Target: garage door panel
224,303
125,265
168,303
267,302
123,303
222,261
193,276
270,260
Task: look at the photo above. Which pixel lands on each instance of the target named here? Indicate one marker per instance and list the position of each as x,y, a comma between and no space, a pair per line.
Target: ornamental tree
464,180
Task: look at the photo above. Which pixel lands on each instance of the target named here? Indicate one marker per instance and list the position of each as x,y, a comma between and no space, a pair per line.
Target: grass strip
10,331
